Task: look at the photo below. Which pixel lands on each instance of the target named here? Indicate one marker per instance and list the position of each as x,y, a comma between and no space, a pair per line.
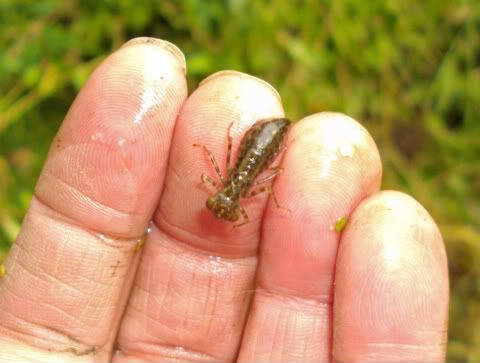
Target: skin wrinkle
170,277
414,349
8,289
295,331
105,210
60,311
209,291
23,335
18,244
183,314
188,246
55,279
285,328
210,300
312,334
255,338
281,330
189,299
127,244
170,236
47,172
93,297
48,278
17,261
171,169
166,226
26,356
143,293
323,300
278,312
165,351
58,280
155,343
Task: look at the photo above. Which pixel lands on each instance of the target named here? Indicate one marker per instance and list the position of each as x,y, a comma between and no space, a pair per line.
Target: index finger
68,271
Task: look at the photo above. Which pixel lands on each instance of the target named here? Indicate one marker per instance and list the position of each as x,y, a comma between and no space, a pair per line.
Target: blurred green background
408,70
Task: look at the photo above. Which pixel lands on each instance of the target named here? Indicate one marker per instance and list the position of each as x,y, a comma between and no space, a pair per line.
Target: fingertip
391,283
157,43
224,99
396,218
243,77
331,163
109,157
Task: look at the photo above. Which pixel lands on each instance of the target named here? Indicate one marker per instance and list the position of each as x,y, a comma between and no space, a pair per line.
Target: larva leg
207,180
213,161
229,148
245,217
268,190
275,171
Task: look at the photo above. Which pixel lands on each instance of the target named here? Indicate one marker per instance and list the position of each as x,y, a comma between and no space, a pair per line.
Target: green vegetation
409,70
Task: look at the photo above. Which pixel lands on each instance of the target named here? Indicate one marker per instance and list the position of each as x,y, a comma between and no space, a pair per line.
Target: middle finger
190,297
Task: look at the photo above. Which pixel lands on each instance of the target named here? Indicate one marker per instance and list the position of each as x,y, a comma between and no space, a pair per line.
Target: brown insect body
258,148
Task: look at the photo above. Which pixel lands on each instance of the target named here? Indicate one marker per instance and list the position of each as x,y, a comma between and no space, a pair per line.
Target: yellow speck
340,224
2,270
140,243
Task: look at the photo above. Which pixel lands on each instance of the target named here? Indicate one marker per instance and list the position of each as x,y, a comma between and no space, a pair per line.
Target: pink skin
284,287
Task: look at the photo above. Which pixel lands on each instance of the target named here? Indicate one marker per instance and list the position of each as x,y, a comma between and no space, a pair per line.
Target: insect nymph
258,148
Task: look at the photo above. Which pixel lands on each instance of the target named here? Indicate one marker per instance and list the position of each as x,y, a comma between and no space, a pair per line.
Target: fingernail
170,47
230,73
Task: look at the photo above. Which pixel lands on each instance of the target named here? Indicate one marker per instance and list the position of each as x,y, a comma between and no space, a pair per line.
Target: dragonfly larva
258,148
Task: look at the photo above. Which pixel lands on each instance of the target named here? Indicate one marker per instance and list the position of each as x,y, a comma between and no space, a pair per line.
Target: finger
190,296
391,293
330,165
69,269
224,98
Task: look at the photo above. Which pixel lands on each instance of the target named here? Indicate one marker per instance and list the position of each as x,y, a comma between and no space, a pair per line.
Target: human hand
284,287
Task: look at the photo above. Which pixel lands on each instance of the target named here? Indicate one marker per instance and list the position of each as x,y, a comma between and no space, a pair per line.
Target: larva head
223,207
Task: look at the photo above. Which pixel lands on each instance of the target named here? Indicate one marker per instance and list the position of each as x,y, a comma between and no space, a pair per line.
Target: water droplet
180,349
148,101
216,264
101,236
98,136
149,228
327,164
121,142
347,150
